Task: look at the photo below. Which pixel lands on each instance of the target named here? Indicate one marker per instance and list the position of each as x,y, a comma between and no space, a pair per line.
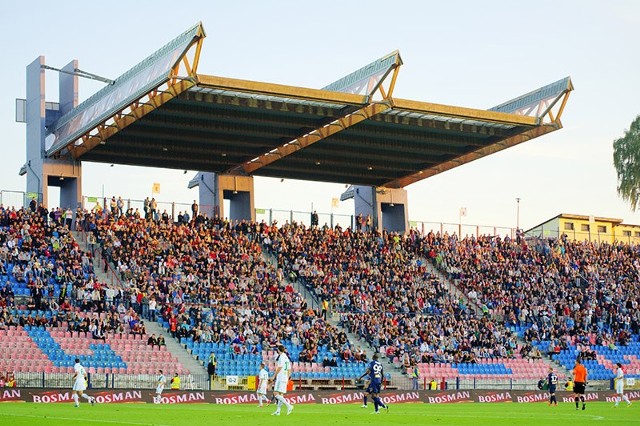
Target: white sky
466,53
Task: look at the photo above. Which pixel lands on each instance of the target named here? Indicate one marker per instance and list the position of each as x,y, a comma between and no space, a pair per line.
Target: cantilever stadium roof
162,113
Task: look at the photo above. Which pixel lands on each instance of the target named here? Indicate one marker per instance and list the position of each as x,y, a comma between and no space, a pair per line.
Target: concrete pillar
240,193
387,207
205,182
44,172
35,122
215,188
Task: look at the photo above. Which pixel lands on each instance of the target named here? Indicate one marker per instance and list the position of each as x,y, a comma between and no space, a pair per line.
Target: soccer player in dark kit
552,381
375,371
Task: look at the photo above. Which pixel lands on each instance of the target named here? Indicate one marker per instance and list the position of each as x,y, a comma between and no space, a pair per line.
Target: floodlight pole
517,213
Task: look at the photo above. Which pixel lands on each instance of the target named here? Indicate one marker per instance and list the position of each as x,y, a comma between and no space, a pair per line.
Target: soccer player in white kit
162,381
80,384
283,370
263,381
620,386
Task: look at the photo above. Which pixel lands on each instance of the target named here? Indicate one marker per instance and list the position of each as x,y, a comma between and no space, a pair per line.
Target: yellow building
587,228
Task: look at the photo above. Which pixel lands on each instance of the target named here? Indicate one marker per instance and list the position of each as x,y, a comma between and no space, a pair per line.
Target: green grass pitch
476,414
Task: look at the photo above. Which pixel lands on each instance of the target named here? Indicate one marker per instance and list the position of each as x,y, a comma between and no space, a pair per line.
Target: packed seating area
215,290
387,297
40,260
54,309
562,295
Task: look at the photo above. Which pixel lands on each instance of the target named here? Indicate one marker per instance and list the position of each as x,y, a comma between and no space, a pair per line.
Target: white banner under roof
129,87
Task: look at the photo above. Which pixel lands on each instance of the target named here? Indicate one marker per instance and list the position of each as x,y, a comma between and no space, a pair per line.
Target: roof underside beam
214,143
308,139
134,147
328,175
178,161
174,124
443,126
191,120
408,126
364,160
209,101
466,113
278,90
364,152
467,158
361,147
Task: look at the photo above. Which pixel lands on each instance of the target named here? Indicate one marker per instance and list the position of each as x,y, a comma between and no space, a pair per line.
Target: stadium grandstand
485,310
131,292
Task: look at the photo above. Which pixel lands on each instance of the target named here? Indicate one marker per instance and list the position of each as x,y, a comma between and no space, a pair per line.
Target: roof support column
44,172
383,208
215,188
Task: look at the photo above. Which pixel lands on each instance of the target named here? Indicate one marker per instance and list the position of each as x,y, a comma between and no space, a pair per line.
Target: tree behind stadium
626,159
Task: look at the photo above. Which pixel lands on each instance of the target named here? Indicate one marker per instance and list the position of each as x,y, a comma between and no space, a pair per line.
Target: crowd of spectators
563,291
357,271
386,295
38,251
8,380
209,280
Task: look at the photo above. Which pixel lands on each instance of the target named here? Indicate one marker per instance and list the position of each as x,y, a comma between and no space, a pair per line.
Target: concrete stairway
398,379
451,286
185,358
98,261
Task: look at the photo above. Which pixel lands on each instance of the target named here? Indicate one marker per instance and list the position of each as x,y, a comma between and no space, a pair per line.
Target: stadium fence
244,383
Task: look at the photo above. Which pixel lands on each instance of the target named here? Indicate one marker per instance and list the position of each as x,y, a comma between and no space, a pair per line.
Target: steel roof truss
312,137
466,158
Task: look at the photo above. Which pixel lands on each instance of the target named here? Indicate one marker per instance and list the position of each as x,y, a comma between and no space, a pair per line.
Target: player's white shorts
159,389
262,389
620,386
79,385
280,385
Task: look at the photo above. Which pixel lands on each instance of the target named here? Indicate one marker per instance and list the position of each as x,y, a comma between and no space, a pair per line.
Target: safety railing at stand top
461,229
18,198
269,216
172,208
10,198
280,217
